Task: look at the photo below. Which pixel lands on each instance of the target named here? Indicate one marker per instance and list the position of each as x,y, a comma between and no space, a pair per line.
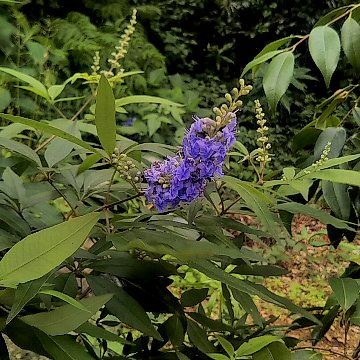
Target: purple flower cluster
185,176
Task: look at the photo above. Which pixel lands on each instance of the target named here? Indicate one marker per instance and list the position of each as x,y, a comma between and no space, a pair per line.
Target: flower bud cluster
324,157
225,113
96,65
122,48
125,167
263,150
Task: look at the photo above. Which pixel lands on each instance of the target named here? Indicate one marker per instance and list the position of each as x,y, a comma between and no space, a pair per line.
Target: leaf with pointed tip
39,253
24,293
38,125
350,40
105,115
64,347
346,291
274,351
324,46
21,149
277,77
66,318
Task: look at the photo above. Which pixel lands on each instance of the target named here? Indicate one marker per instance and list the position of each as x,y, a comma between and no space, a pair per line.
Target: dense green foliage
87,266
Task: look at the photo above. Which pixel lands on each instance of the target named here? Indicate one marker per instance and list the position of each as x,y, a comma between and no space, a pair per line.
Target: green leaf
256,201
217,356
259,270
65,298
123,306
277,77
99,333
324,46
274,351
5,98
199,338
138,99
356,115
338,198
210,269
337,138
259,60
66,318
227,346
305,355
175,330
193,297
350,177
256,344
248,305
59,148
24,293
105,115
325,218
331,15
41,252
350,40
50,130
21,149
274,45
28,79
89,162
10,217
64,348
346,291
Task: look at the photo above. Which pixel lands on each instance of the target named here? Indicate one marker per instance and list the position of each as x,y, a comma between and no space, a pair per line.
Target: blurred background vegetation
190,51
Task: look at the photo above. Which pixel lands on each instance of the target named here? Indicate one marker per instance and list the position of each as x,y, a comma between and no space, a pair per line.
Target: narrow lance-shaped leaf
64,347
105,115
324,46
260,60
36,84
24,293
49,129
350,39
39,253
21,149
66,318
277,77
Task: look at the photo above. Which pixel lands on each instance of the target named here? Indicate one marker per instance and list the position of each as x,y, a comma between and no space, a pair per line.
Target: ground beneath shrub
310,267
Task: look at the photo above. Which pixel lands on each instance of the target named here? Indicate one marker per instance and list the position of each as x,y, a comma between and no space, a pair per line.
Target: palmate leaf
39,253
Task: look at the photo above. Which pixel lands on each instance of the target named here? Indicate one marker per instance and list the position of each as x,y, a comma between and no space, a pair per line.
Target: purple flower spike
184,178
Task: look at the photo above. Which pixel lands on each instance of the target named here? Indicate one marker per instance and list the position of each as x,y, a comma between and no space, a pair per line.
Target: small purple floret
184,178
